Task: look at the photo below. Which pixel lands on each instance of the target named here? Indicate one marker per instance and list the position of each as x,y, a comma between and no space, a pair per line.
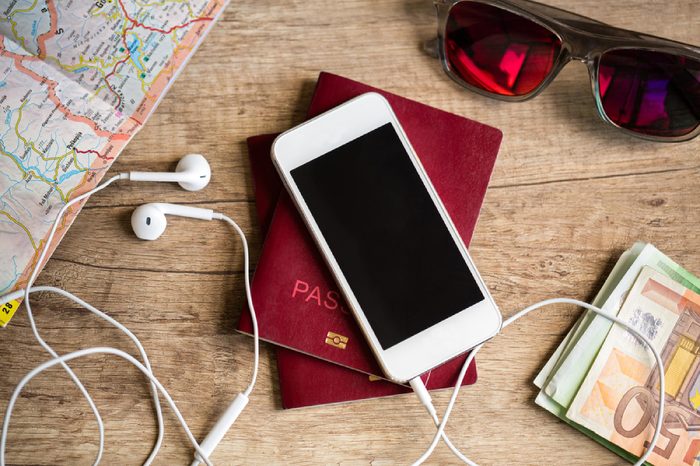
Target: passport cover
299,374
296,299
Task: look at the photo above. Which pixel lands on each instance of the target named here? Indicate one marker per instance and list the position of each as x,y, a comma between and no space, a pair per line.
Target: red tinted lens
649,92
498,51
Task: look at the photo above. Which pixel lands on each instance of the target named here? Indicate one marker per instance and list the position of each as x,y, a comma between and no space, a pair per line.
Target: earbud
192,173
148,221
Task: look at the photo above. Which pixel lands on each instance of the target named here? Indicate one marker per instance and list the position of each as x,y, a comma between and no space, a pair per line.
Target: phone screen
387,235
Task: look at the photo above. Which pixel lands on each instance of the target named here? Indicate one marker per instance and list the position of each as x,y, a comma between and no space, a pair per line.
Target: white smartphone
386,237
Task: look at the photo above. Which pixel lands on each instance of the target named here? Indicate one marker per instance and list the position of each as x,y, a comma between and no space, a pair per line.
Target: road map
78,79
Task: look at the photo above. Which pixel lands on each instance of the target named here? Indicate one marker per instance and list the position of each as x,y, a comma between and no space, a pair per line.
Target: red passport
299,374
296,299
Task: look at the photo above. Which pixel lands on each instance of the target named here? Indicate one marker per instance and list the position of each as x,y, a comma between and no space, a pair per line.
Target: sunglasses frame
582,39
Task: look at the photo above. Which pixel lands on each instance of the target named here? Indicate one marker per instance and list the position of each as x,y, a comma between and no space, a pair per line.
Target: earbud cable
30,315
145,368
506,323
89,352
249,297
156,386
128,333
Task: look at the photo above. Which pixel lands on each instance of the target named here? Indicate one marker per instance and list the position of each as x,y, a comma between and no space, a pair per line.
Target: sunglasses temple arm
430,47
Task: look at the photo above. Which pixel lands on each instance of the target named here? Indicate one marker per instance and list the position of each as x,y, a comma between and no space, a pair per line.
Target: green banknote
563,382
625,262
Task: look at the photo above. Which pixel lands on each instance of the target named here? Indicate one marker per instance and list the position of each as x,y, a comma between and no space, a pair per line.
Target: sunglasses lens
498,51
649,92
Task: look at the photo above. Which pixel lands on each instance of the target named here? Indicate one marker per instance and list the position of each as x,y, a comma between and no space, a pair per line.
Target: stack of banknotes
602,381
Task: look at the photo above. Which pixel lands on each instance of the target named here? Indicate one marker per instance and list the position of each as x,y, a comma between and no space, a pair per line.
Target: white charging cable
222,425
420,392
424,395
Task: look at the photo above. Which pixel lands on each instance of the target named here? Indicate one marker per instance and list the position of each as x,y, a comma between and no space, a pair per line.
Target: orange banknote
619,397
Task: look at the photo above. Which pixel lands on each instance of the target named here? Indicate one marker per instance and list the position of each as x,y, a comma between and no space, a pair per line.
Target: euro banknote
619,396
572,360
563,382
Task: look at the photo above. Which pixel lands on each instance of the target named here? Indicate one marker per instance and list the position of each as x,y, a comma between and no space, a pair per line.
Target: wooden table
568,195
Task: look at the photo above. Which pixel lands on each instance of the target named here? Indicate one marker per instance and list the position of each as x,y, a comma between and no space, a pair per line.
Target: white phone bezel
436,344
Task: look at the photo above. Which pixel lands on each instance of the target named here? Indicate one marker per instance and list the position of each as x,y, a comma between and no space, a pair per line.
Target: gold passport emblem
336,340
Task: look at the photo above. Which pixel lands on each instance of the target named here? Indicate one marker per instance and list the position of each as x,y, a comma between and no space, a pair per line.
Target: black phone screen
387,235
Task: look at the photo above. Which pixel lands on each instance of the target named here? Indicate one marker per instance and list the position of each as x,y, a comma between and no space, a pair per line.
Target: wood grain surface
568,195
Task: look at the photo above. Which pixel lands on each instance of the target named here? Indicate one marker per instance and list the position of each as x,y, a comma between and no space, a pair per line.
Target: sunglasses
512,49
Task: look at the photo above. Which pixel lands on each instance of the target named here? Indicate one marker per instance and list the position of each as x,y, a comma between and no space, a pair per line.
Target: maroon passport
296,298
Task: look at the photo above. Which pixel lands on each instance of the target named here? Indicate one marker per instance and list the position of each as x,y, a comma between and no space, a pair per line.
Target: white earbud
192,173
149,222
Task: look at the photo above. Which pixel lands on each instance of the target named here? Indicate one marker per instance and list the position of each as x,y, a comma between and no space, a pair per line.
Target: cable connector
423,395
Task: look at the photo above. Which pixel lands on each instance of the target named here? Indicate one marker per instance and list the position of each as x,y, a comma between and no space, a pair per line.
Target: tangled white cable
149,223
235,408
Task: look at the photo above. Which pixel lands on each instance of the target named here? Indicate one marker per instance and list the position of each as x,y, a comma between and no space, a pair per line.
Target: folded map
77,81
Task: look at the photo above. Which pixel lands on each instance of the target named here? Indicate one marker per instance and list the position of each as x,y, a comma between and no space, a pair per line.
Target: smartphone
386,237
